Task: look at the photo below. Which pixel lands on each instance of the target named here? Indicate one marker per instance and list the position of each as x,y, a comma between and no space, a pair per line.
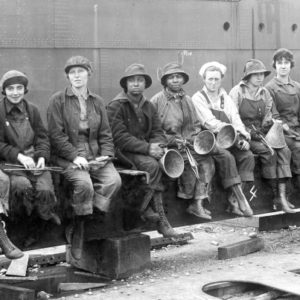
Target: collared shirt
207,118
15,110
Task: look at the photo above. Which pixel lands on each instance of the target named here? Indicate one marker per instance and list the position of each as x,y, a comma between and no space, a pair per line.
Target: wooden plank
240,248
8,292
18,267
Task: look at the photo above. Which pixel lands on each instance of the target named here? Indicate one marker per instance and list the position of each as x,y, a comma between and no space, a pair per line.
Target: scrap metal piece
18,267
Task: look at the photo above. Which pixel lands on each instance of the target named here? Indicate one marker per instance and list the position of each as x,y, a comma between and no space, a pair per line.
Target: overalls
34,192
273,166
234,165
288,106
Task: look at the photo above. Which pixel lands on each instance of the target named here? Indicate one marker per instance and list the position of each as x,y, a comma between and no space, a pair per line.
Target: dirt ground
179,272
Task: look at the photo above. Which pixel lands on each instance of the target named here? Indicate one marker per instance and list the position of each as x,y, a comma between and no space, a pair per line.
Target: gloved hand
243,145
255,135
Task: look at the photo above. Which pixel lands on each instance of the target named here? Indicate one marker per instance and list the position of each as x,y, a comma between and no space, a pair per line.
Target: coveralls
257,110
234,165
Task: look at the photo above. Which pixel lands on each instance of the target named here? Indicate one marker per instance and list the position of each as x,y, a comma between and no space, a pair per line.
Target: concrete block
240,248
114,257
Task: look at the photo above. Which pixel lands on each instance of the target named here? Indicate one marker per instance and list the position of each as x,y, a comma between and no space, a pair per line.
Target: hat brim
68,68
148,79
267,73
164,77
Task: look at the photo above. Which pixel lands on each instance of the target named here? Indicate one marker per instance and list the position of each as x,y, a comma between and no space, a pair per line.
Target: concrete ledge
240,248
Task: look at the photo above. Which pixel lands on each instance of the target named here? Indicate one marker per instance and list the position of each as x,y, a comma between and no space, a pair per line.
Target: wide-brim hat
13,77
135,70
254,66
78,61
173,68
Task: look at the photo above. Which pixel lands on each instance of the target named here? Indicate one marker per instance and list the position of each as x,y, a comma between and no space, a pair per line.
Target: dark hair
283,53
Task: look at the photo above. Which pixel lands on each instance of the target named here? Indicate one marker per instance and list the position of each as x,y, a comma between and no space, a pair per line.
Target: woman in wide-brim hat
24,140
286,96
180,122
82,144
256,109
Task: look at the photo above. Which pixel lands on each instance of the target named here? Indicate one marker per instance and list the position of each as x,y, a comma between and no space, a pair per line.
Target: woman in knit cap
179,121
24,140
286,96
82,144
255,106
215,110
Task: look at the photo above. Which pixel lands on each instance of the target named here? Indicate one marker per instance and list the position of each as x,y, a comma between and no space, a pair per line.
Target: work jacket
9,146
128,133
63,122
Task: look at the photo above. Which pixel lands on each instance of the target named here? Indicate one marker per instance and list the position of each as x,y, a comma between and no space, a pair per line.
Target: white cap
212,64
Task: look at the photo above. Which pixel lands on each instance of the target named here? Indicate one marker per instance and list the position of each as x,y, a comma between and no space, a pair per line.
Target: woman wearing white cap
215,109
255,106
179,122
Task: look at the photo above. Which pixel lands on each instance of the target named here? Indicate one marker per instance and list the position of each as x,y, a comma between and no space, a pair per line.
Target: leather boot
146,210
197,209
282,198
164,226
233,205
77,237
242,201
8,248
275,199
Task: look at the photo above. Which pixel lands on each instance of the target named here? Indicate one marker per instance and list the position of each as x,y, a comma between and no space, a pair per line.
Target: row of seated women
84,136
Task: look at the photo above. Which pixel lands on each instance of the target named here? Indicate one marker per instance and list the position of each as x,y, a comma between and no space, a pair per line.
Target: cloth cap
173,68
254,66
13,77
133,70
215,64
78,61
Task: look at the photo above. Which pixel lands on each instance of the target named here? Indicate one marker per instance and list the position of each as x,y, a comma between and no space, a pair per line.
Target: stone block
117,257
240,248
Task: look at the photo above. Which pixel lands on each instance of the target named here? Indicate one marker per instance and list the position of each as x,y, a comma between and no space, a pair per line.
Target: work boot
55,218
275,199
282,198
233,205
77,237
164,226
242,201
150,215
8,248
197,209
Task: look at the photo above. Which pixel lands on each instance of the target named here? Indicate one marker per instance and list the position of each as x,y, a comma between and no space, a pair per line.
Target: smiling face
174,82
136,85
283,67
78,77
15,93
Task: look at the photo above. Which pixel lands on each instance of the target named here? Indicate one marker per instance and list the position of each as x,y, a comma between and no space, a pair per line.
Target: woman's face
136,85
15,93
174,82
256,79
78,77
212,80
283,67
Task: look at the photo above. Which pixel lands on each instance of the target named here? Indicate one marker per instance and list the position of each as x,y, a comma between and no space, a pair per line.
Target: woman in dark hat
82,144
138,137
286,96
24,141
180,123
255,106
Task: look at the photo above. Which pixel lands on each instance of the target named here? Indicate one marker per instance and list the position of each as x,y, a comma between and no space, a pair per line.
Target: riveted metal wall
37,36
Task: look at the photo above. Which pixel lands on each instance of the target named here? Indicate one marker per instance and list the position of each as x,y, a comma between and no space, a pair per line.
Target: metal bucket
204,142
172,163
226,137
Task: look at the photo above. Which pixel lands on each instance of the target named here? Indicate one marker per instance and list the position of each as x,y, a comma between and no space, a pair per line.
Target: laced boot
8,248
197,209
77,237
242,201
274,186
282,198
164,226
233,205
147,212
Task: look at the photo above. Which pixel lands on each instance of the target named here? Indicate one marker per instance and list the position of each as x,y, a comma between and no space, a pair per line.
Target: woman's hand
243,145
41,163
81,163
26,161
156,151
